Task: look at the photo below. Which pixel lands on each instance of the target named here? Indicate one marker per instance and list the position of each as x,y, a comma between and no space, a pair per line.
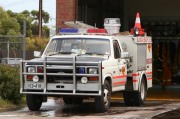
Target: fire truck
77,66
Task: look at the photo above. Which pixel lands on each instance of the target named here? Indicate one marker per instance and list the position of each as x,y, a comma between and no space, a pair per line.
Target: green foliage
32,22
34,29
10,84
36,43
45,15
12,23
46,31
8,24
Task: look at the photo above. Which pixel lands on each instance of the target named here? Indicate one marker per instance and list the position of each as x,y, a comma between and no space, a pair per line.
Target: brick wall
66,10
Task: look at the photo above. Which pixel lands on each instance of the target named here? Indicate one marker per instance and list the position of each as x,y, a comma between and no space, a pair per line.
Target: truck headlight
31,69
93,70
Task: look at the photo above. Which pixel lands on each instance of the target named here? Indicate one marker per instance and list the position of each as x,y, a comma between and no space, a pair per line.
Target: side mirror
37,54
124,54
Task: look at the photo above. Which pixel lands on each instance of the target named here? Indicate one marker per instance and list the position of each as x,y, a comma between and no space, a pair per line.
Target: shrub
36,43
10,84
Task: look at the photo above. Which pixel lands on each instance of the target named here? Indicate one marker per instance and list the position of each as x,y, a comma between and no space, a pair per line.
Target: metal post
24,40
86,13
8,53
21,76
40,18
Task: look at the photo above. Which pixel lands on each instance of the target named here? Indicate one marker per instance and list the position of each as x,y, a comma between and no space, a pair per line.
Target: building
160,19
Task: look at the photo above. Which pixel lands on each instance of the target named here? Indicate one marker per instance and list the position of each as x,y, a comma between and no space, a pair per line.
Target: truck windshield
81,46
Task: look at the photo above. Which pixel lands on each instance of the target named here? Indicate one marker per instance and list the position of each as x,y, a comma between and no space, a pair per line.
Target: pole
40,18
24,39
8,53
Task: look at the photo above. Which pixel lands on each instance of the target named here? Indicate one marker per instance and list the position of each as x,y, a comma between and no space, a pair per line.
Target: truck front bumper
75,87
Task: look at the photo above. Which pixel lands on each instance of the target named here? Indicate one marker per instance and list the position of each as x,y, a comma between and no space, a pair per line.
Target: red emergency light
97,31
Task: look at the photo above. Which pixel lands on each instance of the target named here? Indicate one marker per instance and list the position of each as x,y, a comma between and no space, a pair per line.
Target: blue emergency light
68,30
81,70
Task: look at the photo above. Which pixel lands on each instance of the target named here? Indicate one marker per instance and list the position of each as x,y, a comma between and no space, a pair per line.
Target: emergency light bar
86,31
100,31
68,30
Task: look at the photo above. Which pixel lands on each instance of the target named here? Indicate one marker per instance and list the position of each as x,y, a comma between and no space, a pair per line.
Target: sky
20,5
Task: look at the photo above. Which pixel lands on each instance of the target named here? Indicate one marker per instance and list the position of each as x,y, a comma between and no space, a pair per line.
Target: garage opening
159,18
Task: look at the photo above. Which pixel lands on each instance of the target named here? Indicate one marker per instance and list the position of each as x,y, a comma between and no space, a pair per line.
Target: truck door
121,74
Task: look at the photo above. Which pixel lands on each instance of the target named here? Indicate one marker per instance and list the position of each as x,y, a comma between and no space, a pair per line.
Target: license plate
35,86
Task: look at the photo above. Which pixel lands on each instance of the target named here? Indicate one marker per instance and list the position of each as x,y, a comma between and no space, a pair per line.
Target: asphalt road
118,110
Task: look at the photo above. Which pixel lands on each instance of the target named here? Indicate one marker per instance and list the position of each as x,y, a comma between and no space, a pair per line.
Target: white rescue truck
77,67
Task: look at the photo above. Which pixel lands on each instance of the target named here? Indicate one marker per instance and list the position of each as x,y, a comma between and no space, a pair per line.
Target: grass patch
5,105
23,101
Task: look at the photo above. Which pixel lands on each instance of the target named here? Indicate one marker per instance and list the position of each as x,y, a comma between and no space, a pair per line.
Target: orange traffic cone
138,21
137,26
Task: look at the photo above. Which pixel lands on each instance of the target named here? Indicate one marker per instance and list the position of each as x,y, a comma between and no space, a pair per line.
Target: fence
12,48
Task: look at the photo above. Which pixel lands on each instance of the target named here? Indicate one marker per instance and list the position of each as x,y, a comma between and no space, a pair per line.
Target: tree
8,25
11,23
25,15
45,15
31,22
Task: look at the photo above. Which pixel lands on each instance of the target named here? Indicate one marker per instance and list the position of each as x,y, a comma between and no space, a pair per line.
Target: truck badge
149,47
123,70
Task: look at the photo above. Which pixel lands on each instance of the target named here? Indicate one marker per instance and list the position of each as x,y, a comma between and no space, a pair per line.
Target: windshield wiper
55,53
93,53
65,52
51,53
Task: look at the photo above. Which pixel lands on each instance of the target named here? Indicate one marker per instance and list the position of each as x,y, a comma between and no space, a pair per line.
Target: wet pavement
160,104
174,114
118,110
168,93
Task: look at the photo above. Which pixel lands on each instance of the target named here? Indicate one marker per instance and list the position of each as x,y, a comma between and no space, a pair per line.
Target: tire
103,102
70,100
34,102
128,98
140,96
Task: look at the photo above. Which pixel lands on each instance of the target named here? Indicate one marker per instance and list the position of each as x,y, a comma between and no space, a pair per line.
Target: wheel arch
143,76
109,79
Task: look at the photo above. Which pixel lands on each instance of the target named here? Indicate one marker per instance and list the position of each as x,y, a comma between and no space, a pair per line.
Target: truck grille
61,74
59,70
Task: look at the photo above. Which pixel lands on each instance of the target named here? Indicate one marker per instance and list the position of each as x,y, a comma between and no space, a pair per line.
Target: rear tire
34,102
103,102
128,98
140,96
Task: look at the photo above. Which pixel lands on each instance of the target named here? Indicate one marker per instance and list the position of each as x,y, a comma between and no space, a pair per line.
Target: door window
116,49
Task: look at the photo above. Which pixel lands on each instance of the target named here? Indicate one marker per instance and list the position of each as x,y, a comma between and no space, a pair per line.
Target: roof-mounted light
68,30
97,31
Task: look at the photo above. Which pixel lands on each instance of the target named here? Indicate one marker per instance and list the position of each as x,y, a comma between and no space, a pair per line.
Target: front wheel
103,102
34,102
140,96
